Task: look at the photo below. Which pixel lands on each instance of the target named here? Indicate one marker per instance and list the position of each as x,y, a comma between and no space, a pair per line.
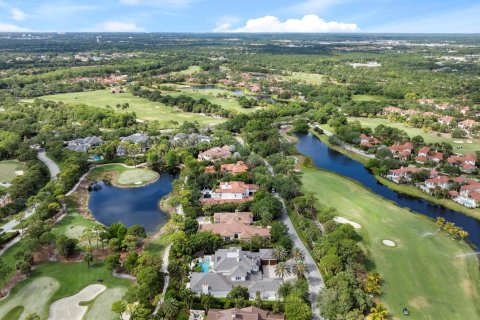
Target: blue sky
441,16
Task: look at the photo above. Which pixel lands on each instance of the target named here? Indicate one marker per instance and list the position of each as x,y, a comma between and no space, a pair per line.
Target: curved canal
329,159
138,205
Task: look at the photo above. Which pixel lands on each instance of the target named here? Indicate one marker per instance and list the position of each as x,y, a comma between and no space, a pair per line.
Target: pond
326,158
138,205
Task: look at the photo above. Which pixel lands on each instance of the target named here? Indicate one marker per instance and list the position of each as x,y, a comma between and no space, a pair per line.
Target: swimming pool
205,264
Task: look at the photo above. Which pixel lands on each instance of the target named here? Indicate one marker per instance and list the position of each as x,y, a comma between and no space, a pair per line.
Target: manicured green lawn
144,109
8,168
309,78
102,306
428,137
432,275
190,70
127,177
211,95
52,281
367,98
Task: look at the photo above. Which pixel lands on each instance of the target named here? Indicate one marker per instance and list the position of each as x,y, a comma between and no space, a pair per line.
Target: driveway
52,166
314,278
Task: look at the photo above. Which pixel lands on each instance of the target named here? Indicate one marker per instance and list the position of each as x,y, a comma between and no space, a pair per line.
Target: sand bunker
458,141
389,243
344,221
19,172
69,308
138,182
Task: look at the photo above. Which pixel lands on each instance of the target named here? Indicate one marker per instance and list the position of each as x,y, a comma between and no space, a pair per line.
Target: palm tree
187,296
374,277
282,270
462,234
297,254
379,312
440,222
170,308
88,258
300,269
206,300
280,253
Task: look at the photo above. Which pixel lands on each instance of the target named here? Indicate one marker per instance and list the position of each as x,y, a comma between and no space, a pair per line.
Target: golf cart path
52,166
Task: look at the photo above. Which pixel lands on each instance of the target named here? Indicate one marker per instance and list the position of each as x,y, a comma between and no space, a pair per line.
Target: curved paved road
314,278
52,166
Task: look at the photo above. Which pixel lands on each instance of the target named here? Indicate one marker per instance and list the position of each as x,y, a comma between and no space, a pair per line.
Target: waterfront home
466,190
230,191
368,141
403,174
85,144
248,313
216,153
402,151
136,138
231,267
235,225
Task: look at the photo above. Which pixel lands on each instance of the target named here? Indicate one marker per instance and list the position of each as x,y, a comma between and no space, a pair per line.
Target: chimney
205,288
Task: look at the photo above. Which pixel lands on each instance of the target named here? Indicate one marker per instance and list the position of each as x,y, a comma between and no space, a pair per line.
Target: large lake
329,159
138,205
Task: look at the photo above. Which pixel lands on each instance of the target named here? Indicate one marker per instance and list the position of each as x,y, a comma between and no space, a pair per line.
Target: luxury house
85,144
235,225
249,313
446,120
402,151
232,267
239,167
216,153
425,155
368,141
467,163
230,191
190,139
136,138
403,174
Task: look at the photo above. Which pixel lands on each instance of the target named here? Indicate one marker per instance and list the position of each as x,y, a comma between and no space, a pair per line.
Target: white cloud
309,23
117,26
6,27
17,14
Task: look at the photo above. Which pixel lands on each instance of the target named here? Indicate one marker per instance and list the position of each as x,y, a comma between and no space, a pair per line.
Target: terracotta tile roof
238,167
215,153
425,150
235,187
475,195
208,201
210,169
249,313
